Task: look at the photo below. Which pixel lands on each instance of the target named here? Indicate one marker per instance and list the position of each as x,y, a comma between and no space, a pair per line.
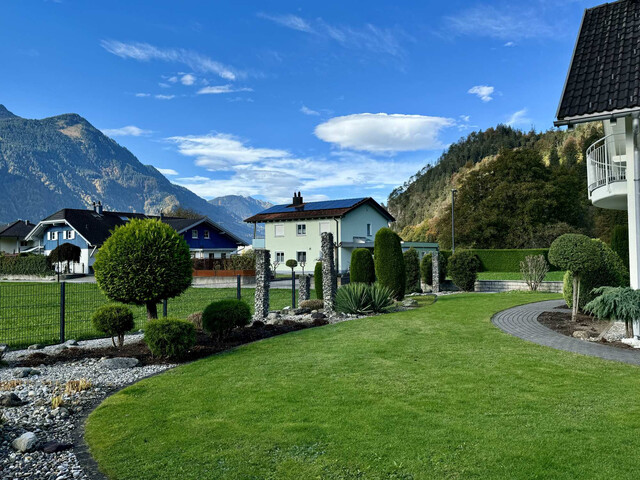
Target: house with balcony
603,85
89,229
292,231
13,237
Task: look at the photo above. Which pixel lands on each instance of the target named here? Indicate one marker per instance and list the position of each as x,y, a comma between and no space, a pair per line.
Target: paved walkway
523,322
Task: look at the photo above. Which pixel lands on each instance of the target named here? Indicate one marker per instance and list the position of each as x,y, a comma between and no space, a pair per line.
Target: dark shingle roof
324,209
18,229
604,75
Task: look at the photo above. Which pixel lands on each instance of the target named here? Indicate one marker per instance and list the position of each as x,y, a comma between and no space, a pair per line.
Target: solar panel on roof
314,206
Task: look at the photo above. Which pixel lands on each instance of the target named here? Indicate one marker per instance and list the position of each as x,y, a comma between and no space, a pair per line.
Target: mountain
64,161
243,207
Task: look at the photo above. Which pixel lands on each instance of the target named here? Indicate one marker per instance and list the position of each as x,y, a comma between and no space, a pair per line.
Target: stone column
263,281
329,277
435,279
304,288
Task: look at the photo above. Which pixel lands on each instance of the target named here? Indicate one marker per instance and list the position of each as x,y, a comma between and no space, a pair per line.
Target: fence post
164,307
62,308
238,287
293,289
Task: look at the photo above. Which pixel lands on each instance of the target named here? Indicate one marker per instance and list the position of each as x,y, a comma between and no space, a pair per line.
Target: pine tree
554,157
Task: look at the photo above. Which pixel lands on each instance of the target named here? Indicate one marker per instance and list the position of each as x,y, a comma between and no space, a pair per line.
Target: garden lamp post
453,221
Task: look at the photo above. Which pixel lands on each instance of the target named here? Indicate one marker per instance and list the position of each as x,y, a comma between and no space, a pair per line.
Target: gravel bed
36,387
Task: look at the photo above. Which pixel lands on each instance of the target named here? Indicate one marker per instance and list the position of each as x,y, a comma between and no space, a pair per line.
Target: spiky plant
616,303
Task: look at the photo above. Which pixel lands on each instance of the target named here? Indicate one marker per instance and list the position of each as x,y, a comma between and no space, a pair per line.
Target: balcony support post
632,129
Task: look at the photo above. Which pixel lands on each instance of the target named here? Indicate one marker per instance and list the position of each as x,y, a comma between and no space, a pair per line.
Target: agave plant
363,299
616,303
381,297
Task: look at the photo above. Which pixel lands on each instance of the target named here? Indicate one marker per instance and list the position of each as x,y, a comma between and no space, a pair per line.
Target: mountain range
65,162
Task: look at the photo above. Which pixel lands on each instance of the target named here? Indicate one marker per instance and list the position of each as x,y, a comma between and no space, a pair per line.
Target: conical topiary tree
317,280
389,263
362,268
412,269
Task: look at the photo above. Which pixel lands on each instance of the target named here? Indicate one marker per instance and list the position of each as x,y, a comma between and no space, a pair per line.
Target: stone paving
523,322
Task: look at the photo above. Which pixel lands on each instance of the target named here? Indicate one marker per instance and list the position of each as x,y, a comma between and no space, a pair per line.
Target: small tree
113,320
620,242
317,280
412,269
65,252
143,263
616,303
534,268
463,267
577,254
292,264
362,268
389,263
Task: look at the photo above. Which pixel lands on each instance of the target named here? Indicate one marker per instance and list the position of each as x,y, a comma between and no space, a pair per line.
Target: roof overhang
41,226
199,221
596,117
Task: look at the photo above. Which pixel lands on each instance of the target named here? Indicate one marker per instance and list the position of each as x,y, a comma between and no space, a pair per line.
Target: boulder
301,311
35,346
3,349
70,343
53,446
11,400
581,334
273,316
410,303
318,316
26,442
24,372
118,362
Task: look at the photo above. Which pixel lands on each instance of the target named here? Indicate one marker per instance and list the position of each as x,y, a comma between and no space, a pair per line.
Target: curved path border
522,322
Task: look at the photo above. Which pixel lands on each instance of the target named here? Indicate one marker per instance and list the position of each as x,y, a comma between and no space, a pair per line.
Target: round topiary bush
362,268
291,263
143,263
317,280
463,269
389,263
113,320
169,337
222,316
412,269
426,268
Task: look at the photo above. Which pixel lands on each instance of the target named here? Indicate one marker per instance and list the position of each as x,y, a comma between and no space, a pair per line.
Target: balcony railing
606,162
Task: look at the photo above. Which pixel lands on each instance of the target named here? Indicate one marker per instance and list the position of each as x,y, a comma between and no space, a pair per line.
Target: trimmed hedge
389,262
362,269
222,316
169,337
412,269
507,260
620,242
426,268
25,265
463,268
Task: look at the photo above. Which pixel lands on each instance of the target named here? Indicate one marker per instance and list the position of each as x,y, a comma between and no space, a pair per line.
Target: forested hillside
515,190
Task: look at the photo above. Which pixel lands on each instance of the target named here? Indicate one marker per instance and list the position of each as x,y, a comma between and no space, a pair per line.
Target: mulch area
561,322
205,346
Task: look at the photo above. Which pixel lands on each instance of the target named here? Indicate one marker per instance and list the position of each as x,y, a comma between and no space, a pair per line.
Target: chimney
99,208
297,199
93,205
161,215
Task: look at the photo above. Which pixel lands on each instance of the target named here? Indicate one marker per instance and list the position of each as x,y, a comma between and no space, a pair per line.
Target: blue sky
336,99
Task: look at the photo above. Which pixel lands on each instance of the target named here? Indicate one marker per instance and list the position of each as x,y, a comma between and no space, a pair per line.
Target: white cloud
128,131
519,118
290,21
167,171
218,89
465,118
141,95
483,92
145,52
164,97
307,111
510,44
188,79
173,79
381,132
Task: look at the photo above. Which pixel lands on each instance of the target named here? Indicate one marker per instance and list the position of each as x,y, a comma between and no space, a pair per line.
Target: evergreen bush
25,265
362,268
412,269
389,262
113,320
317,280
620,242
463,269
312,304
222,316
169,337
426,268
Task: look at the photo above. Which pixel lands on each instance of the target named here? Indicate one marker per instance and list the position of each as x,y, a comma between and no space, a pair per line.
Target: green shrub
363,299
389,262
142,263
317,280
412,270
502,260
312,304
65,253
620,243
222,316
426,268
463,268
25,265
169,337
616,303
291,263
362,268
610,273
113,320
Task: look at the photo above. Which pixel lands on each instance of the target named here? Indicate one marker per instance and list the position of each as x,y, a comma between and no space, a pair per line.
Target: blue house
89,229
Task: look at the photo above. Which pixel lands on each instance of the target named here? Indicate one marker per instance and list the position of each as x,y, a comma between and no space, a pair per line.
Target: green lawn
437,392
30,312
551,276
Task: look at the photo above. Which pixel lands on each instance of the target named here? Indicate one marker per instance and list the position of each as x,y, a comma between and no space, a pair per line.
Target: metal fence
50,313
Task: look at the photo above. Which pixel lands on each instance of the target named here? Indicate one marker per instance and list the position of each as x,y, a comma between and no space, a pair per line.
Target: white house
13,237
603,84
292,231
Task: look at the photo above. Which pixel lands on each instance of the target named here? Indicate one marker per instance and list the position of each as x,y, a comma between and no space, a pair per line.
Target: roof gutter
598,117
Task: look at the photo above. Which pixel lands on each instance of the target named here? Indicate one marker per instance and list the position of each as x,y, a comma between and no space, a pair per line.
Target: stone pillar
329,277
304,288
435,279
263,281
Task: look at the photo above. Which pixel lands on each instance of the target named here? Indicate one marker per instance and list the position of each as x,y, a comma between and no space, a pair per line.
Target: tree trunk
121,340
576,297
152,310
113,340
628,328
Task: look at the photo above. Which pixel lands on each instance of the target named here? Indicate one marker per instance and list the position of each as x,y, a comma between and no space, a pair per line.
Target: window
368,229
325,227
206,234
212,255
194,233
52,236
301,229
71,235
301,257
279,230
280,257
223,255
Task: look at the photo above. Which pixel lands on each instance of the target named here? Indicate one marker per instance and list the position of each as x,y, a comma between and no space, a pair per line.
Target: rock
35,346
410,302
24,372
3,349
301,311
70,343
581,334
318,316
25,443
319,322
118,362
11,400
273,316
53,446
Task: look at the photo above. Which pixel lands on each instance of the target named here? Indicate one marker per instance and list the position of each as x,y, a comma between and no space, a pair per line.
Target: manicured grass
437,392
551,276
30,312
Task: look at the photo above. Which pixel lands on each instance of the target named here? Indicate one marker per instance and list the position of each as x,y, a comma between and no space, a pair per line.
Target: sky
334,99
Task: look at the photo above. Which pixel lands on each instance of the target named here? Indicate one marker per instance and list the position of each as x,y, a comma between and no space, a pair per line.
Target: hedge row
502,260
25,265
